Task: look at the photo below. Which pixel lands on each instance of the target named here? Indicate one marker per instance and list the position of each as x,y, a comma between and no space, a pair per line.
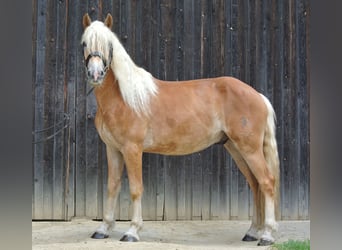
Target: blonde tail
271,151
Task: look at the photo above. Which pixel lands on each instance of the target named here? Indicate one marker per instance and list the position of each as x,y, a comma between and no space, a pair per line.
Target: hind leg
266,181
252,234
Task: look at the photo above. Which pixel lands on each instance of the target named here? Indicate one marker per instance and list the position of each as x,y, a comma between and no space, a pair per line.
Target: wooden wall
263,42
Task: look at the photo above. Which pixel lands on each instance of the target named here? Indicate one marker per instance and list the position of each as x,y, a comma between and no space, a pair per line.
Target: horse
138,113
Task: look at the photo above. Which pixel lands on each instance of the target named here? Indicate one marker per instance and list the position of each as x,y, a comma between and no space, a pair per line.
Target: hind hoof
128,238
249,238
97,235
263,242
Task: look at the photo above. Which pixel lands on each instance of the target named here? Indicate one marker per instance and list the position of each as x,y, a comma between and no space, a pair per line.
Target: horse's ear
109,21
86,20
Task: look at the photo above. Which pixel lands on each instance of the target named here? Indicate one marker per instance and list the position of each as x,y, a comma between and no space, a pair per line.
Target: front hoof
97,235
264,242
128,238
249,238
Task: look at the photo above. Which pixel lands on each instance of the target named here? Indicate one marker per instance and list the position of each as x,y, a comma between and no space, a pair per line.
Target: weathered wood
264,43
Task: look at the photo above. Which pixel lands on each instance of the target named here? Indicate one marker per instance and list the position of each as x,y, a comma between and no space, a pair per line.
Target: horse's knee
135,196
113,187
267,186
136,192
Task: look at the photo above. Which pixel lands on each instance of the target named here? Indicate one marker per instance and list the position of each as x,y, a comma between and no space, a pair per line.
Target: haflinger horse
138,113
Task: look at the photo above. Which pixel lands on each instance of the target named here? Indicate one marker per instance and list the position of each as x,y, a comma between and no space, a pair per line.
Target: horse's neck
108,93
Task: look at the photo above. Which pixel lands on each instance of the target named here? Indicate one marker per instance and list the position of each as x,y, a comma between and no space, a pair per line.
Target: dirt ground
180,235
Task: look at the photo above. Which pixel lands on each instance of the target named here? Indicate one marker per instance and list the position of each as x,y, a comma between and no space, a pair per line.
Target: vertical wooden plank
197,39
285,116
80,168
160,163
116,16
77,71
34,70
102,183
188,165
148,25
227,63
178,57
155,39
60,143
206,163
107,7
205,39
272,66
148,200
180,186
293,139
170,209
197,187
303,107
289,110
50,58
124,199
167,44
70,107
223,180
92,160
56,117
188,40
278,96
39,110
234,204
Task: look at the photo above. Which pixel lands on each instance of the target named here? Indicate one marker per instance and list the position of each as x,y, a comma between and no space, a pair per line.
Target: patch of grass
292,245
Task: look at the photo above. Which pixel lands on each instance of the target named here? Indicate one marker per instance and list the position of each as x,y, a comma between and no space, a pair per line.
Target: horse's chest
107,133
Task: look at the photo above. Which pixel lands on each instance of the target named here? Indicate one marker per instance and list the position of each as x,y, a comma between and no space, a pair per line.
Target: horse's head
97,48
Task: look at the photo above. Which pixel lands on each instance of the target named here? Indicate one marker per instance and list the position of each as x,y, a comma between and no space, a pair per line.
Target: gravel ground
165,235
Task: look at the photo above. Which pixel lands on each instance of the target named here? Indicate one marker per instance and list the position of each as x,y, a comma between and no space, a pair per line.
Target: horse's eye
84,44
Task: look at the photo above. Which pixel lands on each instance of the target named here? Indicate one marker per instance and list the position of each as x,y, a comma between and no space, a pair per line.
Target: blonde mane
136,84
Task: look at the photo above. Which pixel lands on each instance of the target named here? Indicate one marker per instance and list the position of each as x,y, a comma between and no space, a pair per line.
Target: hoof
249,238
128,238
263,242
97,235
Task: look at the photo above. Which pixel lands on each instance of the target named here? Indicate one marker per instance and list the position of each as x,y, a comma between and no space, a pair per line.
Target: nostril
89,73
101,73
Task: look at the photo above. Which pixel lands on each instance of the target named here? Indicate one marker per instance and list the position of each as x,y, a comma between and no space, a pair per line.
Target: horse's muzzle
95,76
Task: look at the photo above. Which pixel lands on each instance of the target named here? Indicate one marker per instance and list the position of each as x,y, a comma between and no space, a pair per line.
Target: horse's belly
185,145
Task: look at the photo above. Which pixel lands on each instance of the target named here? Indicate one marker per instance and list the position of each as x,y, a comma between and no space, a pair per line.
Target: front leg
133,159
115,167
